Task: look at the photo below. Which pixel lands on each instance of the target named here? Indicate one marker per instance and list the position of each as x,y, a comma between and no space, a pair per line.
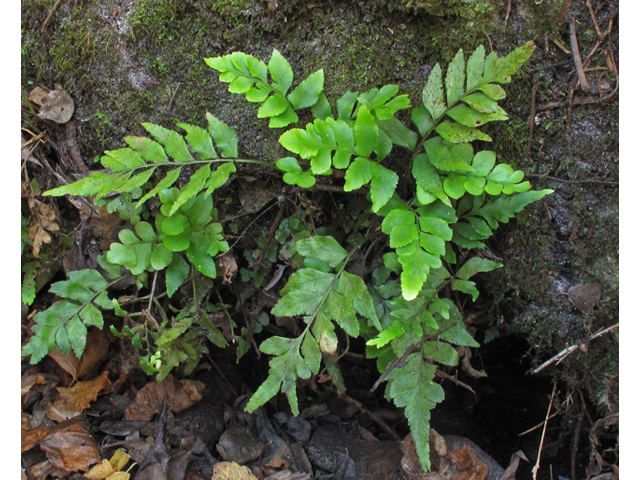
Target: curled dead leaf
585,297
57,105
228,266
180,396
231,471
73,401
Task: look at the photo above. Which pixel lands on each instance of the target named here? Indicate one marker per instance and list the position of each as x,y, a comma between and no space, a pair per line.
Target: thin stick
570,349
576,55
173,96
153,289
440,373
272,231
534,471
544,175
595,22
536,427
532,119
506,20
46,20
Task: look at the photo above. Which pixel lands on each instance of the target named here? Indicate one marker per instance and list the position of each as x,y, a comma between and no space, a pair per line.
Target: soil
130,61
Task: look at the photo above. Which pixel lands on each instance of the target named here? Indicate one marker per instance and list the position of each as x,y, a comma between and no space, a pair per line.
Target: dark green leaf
177,272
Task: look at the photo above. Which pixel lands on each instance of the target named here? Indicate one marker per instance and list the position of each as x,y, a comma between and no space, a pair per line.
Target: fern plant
460,195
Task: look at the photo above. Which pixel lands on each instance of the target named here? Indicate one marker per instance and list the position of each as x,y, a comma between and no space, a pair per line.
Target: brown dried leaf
39,237
510,472
180,396
585,297
68,362
227,263
100,471
254,194
56,106
37,94
231,471
75,400
96,351
29,381
71,449
466,461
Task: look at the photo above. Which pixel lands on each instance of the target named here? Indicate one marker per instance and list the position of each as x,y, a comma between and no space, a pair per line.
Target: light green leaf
273,106
163,184
366,132
413,388
493,91
475,68
466,286
432,95
303,293
427,177
482,103
196,182
148,149
324,248
177,272
306,94
225,138
383,184
354,288
443,158
470,117
483,162
281,72
219,177
475,265
358,174
161,257
173,142
454,186
456,133
200,141
454,80
301,142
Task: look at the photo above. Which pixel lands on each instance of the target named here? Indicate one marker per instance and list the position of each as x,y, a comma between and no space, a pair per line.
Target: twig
441,374
222,375
532,119
532,429
488,38
173,96
153,289
46,20
576,436
560,356
576,55
506,20
263,251
248,227
371,415
595,22
544,175
534,471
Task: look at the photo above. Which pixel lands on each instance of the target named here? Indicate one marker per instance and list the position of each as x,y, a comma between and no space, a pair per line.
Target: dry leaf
96,351
68,362
71,449
180,396
585,297
119,459
231,471
228,265
56,106
254,194
69,445
29,381
100,471
510,472
73,401
466,461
